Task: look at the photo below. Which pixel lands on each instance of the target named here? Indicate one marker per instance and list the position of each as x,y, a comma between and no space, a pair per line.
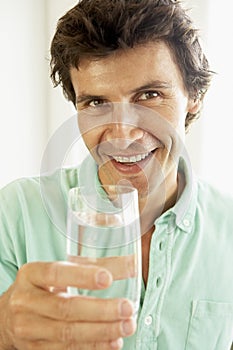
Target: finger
77,308
121,267
38,328
45,345
63,274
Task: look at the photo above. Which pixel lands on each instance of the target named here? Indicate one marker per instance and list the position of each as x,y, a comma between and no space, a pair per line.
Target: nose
123,130
121,136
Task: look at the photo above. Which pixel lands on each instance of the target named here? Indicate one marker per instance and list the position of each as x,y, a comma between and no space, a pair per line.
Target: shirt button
186,222
148,320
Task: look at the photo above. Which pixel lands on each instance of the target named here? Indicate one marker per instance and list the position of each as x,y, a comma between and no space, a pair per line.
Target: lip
130,158
132,168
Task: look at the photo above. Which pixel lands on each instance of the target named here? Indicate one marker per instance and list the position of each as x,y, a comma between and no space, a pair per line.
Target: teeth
132,159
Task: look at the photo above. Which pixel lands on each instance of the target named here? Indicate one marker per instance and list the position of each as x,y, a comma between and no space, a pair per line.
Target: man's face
132,107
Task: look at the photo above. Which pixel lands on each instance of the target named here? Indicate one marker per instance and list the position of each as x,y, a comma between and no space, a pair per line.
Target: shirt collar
183,212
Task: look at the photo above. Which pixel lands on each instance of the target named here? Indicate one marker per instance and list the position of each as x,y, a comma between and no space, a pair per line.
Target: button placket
159,274
161,251
149,315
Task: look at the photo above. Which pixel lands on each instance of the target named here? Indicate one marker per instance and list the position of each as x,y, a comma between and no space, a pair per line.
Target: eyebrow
83,98
156,84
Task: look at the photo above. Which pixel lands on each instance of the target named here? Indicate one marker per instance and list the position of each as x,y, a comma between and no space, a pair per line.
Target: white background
31,110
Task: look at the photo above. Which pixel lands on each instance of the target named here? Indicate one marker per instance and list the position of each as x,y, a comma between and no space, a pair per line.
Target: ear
194,106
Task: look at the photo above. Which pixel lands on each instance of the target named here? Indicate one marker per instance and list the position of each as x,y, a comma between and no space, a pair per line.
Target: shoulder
215,210
31,190
13,193
212,198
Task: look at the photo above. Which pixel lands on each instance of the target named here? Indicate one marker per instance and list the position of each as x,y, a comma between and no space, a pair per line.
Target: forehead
153,60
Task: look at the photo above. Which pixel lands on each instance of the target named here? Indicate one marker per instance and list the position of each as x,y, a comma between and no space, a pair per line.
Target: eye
95,103
96,107
148,95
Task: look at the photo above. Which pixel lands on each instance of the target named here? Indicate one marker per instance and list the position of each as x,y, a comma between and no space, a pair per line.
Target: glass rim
93,189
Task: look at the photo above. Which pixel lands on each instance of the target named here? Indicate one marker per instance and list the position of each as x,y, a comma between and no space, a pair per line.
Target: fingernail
128,327
117,344
126,308
103,278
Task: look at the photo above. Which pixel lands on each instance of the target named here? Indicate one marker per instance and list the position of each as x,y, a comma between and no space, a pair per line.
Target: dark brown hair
97,28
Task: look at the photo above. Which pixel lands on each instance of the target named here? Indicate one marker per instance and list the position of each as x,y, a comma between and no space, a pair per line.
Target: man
137,76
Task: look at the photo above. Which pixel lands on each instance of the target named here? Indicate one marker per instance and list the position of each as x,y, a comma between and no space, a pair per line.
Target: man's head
94,29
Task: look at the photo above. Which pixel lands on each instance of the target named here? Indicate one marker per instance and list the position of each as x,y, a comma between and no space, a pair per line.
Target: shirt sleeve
11,232
8,267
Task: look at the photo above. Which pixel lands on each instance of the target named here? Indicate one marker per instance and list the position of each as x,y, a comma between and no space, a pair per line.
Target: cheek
177,123
177,118
91,136
87,138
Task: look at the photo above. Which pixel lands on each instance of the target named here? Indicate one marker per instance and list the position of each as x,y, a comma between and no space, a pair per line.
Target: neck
158,201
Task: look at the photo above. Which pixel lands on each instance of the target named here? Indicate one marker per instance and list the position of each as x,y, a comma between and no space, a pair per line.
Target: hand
34,317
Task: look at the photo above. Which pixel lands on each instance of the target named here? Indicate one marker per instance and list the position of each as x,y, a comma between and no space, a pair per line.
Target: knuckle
17,324
20,301
89,346
51,273
100,346
15,303
67,334
37,345
109,331
114,331
64,308
72,346
86,346
112,309
32,346
86,275
19,328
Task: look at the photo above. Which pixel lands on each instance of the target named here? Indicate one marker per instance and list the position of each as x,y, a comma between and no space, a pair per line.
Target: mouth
131,164
131,159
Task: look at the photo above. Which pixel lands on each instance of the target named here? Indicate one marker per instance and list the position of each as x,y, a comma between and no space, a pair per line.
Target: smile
131,159
131,164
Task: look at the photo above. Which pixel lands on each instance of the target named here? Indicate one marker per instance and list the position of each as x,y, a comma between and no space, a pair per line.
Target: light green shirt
188,302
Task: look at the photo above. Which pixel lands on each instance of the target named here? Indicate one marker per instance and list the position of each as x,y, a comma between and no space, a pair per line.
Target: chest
187,301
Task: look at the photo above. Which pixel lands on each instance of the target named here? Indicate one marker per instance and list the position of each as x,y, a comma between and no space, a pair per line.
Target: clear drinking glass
103,229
